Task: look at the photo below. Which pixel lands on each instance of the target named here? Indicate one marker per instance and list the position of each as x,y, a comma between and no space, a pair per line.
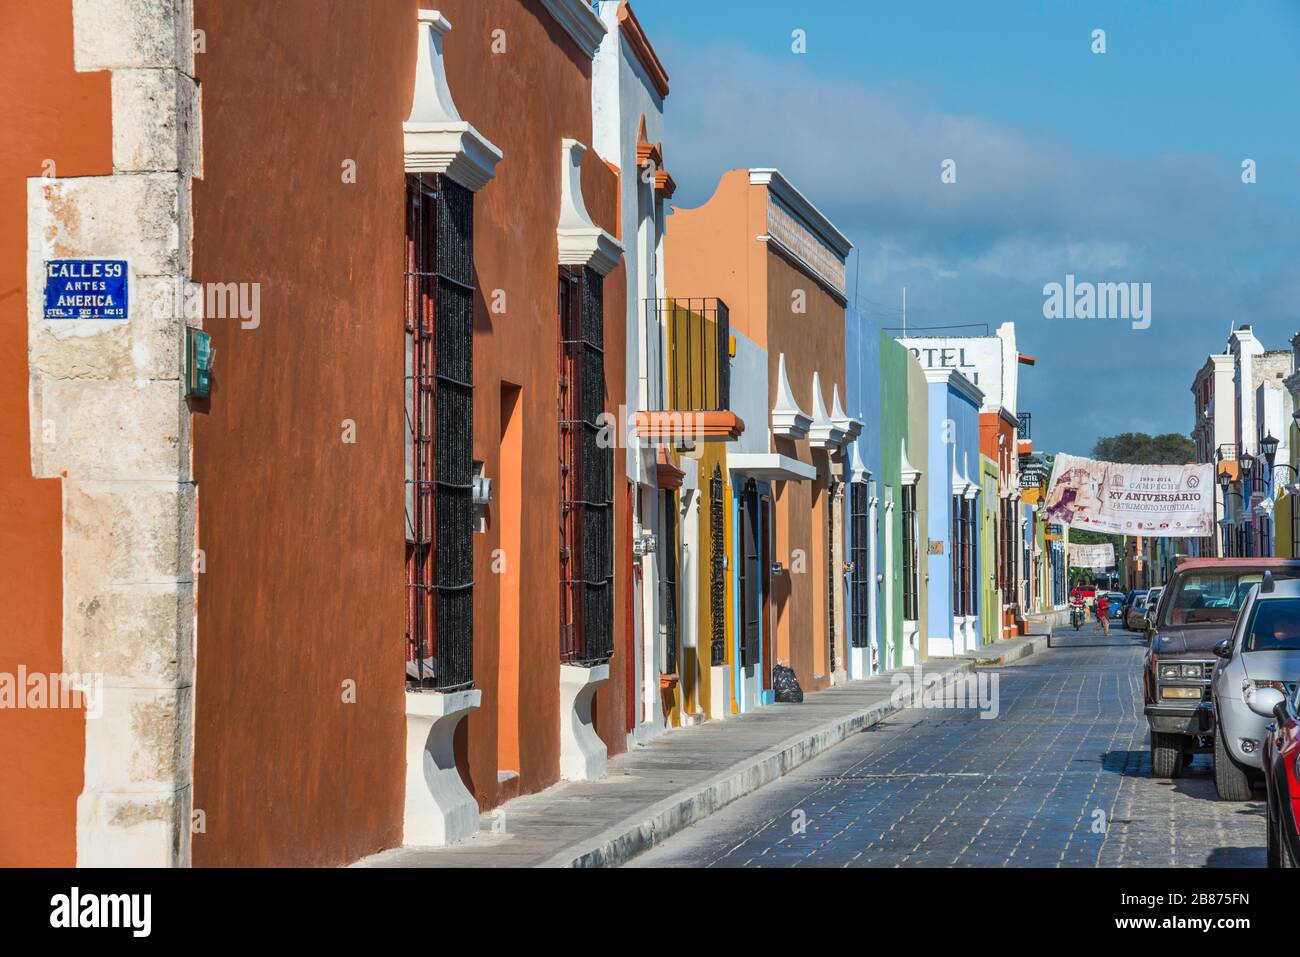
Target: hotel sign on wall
785,228
978,358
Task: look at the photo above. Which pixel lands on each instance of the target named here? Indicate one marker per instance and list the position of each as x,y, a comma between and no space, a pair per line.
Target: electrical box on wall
480,496
199,356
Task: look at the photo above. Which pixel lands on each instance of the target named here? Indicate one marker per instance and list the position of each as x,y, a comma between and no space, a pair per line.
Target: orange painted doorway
509,499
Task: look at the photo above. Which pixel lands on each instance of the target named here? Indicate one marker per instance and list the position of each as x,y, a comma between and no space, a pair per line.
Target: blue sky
1115,167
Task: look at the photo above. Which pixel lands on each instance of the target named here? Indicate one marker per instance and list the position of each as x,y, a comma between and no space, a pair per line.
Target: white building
628,89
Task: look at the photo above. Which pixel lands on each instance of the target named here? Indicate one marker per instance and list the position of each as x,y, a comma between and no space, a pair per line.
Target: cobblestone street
1060,777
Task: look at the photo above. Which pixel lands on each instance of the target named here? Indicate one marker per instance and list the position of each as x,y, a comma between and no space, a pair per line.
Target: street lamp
1268,445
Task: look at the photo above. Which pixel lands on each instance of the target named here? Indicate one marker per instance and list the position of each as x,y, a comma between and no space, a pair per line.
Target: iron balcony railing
1226,453
1023,426
688,361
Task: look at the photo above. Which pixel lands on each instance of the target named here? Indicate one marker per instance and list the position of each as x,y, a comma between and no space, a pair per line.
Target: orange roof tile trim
640,44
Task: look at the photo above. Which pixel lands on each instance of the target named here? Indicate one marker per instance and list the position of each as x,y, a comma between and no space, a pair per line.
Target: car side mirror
1223,649
1265,702
1282,713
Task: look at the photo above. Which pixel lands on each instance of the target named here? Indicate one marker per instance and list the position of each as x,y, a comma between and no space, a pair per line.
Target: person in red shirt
1103,612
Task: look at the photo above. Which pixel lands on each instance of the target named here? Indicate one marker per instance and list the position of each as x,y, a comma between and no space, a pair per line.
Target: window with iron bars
717,570
911,560
958,556
832,585
963,556
1295,527
586,474
439,388
750,575
971,539
860,557
1007,571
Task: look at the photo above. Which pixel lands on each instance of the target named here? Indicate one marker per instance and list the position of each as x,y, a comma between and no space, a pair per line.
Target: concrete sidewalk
665,785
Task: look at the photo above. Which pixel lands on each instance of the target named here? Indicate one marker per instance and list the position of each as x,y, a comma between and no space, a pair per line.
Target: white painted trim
439,809
435,139
910,474
581,242
823,433
579,21
858,468
788,420
851,427
957,382
583,755
821,227
770,466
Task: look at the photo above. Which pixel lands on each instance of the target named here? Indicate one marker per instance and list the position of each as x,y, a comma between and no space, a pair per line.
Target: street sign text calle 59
86,289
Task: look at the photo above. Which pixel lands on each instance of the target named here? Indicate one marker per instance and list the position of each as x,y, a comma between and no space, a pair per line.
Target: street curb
632,836
1036,644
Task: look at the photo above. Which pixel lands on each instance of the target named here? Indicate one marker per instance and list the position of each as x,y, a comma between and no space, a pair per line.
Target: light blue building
862,391
953,550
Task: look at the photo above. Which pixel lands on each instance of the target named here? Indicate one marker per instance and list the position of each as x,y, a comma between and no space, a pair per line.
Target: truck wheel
1230,779
1166,754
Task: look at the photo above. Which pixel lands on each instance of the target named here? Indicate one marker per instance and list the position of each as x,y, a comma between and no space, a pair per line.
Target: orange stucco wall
710,251
526,103
992,426
303,532
47,112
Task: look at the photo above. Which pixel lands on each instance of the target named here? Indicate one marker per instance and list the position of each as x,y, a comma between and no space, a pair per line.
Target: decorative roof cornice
581,242
630,27
956,382
652,155
823,433
909,473
849,425
812,217
434,137
665,185
579,21
858,468
788,420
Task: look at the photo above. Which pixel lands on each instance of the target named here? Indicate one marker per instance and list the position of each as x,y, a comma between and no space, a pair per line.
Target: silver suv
1258,664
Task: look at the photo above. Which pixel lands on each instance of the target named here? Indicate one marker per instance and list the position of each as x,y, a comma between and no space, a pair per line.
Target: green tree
1138,448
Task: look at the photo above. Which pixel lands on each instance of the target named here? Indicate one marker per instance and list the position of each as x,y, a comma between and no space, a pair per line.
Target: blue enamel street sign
85,289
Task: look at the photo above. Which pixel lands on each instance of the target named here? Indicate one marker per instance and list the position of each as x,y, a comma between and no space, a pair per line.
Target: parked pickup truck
1197,609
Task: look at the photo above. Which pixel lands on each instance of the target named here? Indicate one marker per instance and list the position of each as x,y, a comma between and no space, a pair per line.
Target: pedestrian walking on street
1103,612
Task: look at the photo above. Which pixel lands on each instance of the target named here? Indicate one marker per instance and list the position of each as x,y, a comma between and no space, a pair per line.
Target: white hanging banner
1161,501
1092,556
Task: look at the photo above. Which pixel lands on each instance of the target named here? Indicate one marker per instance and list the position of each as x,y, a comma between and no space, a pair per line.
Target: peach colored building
761,246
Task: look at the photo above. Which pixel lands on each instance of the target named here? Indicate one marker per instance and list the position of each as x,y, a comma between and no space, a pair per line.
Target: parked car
1130,607
1116,607
1261,654
1282,778
1146,608
1197,609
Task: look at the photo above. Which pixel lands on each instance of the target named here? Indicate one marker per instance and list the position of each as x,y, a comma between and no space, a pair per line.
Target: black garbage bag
786,685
